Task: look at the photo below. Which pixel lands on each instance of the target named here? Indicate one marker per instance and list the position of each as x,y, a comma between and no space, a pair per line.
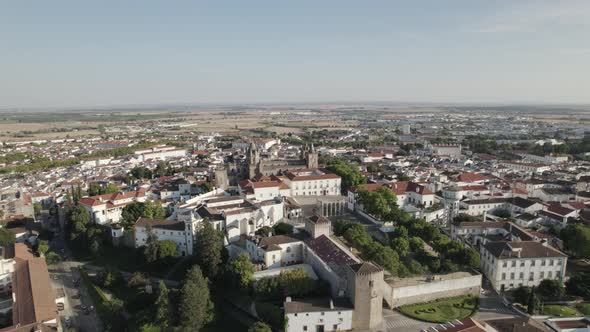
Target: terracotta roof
319,219
471,177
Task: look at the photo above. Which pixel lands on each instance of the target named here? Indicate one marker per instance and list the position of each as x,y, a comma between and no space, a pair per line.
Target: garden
442,310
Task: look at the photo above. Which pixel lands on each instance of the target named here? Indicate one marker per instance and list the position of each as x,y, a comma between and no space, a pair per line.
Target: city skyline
66,55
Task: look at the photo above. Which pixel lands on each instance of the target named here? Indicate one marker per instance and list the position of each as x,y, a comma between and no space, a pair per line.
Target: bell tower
311,157
253,160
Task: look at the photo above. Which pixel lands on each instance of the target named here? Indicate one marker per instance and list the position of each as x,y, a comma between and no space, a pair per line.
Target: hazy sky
88,53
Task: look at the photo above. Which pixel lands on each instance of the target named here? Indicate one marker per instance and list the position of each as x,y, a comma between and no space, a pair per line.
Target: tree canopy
208,249
576,238
196,307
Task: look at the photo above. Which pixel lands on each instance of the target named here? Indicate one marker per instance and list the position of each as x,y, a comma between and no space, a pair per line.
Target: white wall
342,320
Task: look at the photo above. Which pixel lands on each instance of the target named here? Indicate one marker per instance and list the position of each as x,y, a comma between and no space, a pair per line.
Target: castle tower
221,178
365,289
253,160
311,157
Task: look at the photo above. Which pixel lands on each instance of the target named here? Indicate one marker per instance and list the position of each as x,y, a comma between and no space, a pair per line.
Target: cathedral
256,165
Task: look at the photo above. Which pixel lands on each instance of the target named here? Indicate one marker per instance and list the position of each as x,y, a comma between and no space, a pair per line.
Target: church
256,165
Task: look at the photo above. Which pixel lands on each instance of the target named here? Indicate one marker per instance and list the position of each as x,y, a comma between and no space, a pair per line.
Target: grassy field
560,311
443,310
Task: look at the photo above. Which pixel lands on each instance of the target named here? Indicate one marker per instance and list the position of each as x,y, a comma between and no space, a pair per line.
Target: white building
305,182
178,231
407,193
528,168
161,152
107,209
512,264
321,314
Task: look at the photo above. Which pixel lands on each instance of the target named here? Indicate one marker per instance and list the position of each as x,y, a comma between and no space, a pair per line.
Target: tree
206,187
138,279
282,229
462,217
111,188
521,295
401,246
6,237
260,327
151,249
502,213
208,249
152,210
37,209
296,283
533,302
196,308
163,308
579,284
52,258
132,212
79,220
167,248
240,271
140,172
351,176
576,238
43,247
550,289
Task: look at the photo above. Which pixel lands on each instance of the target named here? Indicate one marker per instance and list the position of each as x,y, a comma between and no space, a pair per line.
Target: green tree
153,210
42,247
576,238
163,308
196,308
167,248
206,187
260,327
240,271
521,295
550,289
296,283
132,212
282,229
351,176
208,249
52,258
533,302
6,237
79,220
579,284
152,246
138,279
401,246
140,172
111,188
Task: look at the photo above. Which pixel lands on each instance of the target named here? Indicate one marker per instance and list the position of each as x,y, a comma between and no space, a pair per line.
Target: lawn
560,311
584,308
442,310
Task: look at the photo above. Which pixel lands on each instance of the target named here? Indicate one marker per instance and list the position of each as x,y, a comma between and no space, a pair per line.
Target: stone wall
429,291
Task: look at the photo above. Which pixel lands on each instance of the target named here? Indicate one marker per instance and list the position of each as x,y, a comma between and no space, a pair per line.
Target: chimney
288,299
331,304
485,216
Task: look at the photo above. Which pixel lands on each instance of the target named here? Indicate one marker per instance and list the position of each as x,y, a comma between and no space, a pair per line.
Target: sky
107,53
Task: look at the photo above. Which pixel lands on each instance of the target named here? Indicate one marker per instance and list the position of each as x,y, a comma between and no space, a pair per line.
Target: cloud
531,17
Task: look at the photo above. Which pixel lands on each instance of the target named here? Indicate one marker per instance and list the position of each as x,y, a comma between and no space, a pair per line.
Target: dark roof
521,202
529,249
172,225
317,304
328,251
277,239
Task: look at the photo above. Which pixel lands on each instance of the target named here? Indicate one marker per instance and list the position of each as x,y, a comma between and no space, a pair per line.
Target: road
63,275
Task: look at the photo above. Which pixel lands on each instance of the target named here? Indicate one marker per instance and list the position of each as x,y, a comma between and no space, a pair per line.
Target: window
550,274
503,276
543,263
533,262
323,313
559,262
513,263
304,327
521,263
521,276
371,283
550,262
335,327
542,276
505,264
511,276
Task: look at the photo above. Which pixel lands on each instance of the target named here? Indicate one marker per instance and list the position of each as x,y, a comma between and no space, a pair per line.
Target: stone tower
253,160
221,178
311,157
365,289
